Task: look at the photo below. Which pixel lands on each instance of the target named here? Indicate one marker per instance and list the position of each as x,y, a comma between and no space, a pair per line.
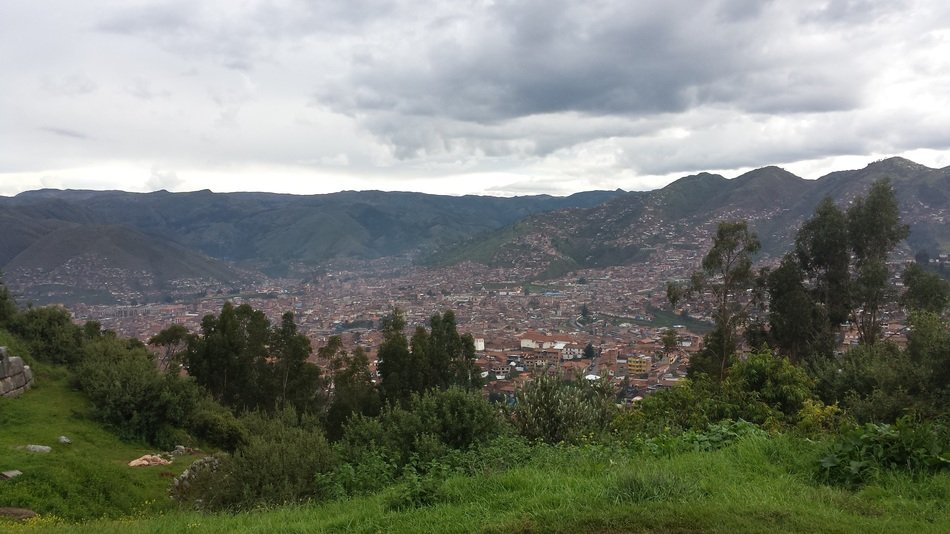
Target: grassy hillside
88,478
757,484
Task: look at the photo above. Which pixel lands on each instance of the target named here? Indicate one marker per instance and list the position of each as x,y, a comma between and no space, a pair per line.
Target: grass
88,478
754,485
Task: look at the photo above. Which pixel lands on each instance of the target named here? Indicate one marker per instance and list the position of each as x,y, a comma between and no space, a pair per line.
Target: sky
463,96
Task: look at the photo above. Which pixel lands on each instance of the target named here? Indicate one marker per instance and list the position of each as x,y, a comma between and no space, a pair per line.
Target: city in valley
619,314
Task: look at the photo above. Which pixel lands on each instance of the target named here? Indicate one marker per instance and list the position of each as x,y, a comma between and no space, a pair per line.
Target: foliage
726,274
427,428
246,364
874,229
553,410
836,272
883,382
130,395
762,389
353,391
280,464
817,418
50,333
171,342
799,324
8,308
860,455
767,386
926,291
226,358
435,359
415,491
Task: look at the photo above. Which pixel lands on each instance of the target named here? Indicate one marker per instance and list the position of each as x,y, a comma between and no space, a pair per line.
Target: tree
799,323
171,344
727,275
925,290
589,351
394,359
836,272
297,382
228,356
51,334
585,314
352,393
8,308
434,359
670,340
822,254
874,229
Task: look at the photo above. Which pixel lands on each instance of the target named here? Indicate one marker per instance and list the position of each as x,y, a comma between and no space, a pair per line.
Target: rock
64,440
39,448
17,513
148,460
13,473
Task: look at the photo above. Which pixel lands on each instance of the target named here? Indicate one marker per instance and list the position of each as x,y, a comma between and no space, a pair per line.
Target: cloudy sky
465,96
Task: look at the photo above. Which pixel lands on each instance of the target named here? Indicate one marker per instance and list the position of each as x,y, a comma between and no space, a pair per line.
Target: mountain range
163,238
775,202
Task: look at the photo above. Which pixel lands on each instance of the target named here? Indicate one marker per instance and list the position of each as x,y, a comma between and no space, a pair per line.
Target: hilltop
635,225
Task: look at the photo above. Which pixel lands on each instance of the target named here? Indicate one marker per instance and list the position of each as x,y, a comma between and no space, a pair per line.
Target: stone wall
15,378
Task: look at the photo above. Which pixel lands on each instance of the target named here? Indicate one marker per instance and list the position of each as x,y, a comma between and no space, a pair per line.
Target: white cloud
462,97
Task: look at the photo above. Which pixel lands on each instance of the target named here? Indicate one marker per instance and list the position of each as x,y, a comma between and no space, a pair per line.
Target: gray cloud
64,132
545,94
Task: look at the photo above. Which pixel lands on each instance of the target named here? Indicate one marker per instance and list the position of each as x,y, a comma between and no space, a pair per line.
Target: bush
126,391
197,485
415,491
50,333
858,456
552,410
427,429
690,405
280,464
216,425
815,418
764,387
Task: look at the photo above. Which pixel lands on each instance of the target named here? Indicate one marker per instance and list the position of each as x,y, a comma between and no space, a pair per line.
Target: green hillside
88,478
756,484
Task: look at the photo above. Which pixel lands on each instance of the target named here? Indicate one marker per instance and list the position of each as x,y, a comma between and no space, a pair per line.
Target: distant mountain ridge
775,201
172,236
190,235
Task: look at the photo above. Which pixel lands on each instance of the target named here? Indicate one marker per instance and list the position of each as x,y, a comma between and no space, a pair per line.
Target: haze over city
496,98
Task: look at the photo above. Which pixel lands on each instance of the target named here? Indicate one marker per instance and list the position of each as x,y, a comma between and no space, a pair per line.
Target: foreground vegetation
753,484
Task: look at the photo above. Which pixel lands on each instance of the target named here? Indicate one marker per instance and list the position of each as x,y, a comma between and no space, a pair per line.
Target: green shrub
50,333
815,418
858,456
198,485
370,474
216,425
415,491
279,464
552,410
427,429
126,391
